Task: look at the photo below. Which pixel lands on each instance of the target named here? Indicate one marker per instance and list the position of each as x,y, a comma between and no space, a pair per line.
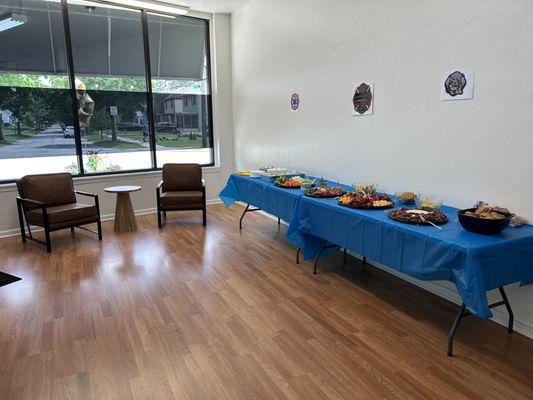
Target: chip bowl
482,226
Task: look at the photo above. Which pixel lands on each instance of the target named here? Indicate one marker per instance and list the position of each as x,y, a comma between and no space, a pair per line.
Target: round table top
122,189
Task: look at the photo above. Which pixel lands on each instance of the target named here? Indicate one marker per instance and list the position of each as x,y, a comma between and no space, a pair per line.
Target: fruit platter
325,192
419,216
366,201
295,182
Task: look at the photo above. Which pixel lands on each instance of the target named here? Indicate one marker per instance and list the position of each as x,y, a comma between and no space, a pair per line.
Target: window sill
83,180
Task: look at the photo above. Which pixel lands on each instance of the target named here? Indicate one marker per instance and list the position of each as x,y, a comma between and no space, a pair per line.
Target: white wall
144,201
462,151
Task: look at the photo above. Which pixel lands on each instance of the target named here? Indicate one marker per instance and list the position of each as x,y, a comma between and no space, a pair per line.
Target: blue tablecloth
475,263
264,195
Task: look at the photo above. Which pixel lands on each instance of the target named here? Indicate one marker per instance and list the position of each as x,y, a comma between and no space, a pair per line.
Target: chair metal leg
159,224
21,222
48,241
99,225
72,229
456,322
298,255
279,221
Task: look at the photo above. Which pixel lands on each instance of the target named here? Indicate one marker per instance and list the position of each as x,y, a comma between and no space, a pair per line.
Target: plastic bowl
367,187
428,201
482,225
406,202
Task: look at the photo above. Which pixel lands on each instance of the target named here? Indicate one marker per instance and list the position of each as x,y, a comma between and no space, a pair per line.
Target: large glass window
181,89
108,53
109,128
35,107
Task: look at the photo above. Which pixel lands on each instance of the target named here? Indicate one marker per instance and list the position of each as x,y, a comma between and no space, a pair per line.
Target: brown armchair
49,201
182,188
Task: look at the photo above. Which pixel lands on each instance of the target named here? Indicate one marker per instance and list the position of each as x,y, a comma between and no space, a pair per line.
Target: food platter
419,216
325,192
286,187
292,183
362,201
384,207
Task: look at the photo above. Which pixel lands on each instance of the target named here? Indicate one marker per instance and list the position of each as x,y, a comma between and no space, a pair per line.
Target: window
104,122
36,133
183,84
108,54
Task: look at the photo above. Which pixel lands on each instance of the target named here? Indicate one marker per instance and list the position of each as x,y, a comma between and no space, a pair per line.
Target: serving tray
287,187
367,208
323,197
417,223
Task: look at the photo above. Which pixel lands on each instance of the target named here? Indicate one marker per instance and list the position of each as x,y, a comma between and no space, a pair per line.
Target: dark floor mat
6,279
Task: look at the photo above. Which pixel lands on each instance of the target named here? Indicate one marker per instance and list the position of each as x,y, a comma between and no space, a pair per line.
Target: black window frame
149,92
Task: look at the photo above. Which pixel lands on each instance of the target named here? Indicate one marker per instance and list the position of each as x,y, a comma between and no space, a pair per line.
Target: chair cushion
52,189
182,177
63,215
182,199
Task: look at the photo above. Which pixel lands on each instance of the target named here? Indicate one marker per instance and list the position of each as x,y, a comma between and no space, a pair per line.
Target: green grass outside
10,136
119,144
167,139
181,143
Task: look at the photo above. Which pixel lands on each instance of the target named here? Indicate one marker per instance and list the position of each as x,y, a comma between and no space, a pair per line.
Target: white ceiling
212,6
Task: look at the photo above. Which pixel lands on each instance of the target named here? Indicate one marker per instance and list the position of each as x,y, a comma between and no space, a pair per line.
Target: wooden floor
193,313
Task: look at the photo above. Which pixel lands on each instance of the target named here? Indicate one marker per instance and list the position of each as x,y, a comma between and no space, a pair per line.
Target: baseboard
103,217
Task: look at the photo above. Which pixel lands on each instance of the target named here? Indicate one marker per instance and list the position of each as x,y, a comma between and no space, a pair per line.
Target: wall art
295,100
457,84
363,99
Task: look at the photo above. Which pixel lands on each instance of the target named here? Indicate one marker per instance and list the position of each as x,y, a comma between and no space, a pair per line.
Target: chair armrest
159,185
203,182
22,202
34,202
93,195
81,193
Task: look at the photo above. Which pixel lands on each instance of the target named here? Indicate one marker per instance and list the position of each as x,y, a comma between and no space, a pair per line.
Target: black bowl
482,225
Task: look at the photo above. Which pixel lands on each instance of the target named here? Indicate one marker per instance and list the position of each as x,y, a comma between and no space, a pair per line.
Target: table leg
344,252
246,210
463,312
509,309
124,216
324,246
455,324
